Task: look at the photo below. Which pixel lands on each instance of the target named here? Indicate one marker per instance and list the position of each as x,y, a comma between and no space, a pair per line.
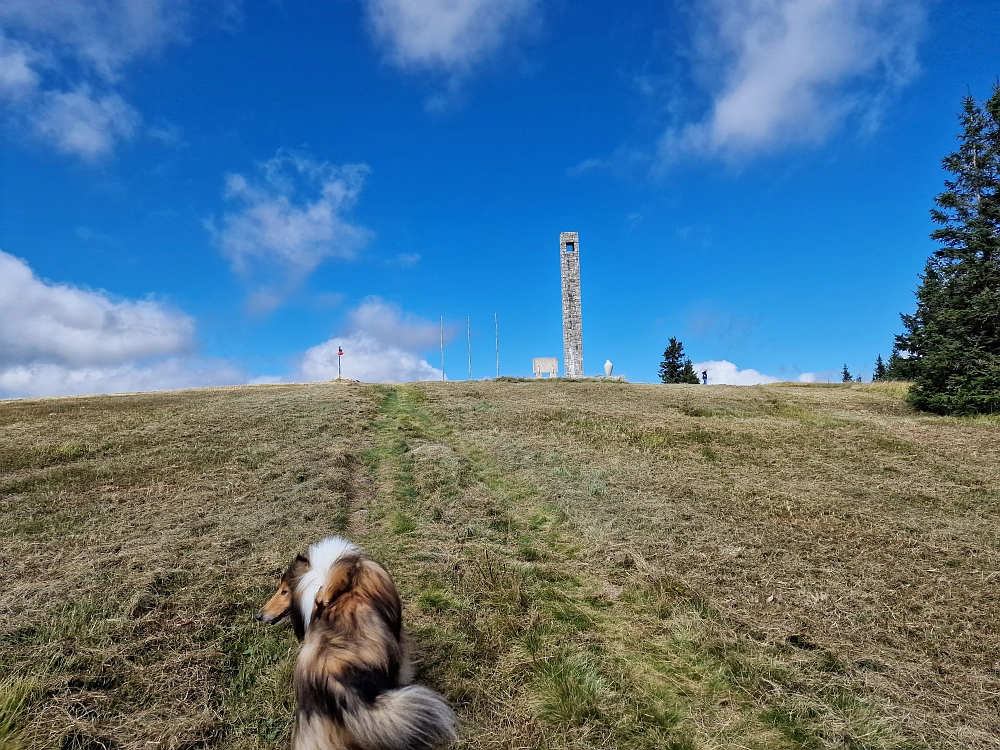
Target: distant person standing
704,377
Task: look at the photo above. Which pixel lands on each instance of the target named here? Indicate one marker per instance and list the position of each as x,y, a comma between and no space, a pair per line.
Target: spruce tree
675,367
688,375
900,367
953,338
846,375
880,370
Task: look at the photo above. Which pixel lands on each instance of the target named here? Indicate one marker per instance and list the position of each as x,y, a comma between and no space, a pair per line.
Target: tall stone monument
569,260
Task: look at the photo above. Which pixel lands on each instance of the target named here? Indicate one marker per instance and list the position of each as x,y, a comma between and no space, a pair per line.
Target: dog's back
350,675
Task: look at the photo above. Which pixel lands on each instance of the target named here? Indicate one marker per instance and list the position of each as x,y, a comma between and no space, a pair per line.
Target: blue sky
198,193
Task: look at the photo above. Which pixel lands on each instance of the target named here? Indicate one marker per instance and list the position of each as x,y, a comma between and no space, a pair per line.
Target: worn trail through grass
547,643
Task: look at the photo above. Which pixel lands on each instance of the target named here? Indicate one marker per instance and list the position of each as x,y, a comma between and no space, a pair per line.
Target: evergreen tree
675,367
880,370
952,340
846,375
900,367
688,375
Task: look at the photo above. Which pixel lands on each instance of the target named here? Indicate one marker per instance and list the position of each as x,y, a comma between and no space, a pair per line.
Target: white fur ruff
322,557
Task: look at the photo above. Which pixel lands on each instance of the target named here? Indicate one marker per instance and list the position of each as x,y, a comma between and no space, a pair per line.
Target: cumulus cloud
62,324
724,372
447,36
289,222
787,71
61,60
380,342
58,339
40,380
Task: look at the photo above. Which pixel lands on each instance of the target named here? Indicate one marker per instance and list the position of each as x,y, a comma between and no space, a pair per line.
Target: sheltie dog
351,677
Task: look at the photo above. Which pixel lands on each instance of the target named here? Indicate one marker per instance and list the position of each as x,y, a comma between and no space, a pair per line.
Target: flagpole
442,347
340,353
496,325
468,322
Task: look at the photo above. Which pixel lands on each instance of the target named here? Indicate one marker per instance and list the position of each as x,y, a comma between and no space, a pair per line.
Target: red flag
340,352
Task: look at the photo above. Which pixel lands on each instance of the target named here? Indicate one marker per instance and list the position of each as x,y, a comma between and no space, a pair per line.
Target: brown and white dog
352,673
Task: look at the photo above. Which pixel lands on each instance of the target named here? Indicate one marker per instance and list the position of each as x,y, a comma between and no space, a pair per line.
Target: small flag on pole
340,352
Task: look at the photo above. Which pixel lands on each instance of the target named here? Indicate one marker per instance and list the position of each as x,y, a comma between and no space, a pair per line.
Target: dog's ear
340,581
298,566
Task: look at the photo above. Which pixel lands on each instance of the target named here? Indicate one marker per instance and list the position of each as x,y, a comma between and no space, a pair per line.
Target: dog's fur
352,675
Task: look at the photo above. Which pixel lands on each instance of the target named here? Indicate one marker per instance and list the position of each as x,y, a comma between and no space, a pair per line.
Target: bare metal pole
496,326
442,347
468,322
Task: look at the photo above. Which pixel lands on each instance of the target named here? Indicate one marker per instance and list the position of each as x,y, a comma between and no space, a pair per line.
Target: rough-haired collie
352,673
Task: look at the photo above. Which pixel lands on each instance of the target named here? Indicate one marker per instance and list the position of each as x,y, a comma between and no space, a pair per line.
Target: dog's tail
412,717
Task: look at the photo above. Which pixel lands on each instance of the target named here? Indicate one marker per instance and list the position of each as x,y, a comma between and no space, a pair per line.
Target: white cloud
827,376
57,339
78,123
39,380
60,61
787,71
380,343
366,359
724,372
17,79
389,325
103,35
446,35
62,324
290,222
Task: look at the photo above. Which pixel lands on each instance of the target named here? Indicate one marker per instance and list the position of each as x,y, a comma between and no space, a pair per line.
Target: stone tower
569,260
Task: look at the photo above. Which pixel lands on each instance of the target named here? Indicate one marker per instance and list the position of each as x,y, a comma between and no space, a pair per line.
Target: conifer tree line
950,345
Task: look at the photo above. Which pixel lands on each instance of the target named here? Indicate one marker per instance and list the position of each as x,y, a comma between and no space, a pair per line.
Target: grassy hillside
584,564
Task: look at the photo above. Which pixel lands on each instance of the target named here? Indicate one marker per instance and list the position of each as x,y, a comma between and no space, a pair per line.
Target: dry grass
140,535
585,564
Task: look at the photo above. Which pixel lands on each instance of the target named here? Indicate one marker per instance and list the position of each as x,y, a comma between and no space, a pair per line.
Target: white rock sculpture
608,367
